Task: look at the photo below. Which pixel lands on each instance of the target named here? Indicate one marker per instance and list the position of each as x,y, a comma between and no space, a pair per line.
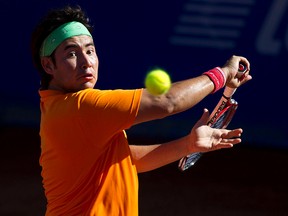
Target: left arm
202,138
150,157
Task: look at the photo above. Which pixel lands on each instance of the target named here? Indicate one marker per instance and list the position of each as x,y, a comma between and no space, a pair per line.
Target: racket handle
228,92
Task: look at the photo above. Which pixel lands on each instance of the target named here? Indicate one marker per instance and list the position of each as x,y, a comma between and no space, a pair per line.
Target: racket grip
228,92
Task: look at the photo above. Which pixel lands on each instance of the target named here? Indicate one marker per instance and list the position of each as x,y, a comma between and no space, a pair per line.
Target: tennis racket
220,117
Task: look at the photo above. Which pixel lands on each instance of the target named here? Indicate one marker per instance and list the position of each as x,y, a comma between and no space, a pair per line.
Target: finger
245,61
228,143
204,118
228,134
246,78
231,141
236,133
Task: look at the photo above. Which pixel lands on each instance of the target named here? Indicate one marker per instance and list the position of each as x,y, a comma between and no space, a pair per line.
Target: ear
47,65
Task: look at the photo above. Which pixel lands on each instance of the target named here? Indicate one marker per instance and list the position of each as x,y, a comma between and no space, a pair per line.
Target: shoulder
117,94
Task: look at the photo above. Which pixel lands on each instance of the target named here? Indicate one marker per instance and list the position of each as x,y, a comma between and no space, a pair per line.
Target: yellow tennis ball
157,82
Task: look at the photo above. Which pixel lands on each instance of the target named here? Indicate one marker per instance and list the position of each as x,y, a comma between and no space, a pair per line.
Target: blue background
185,37
132,37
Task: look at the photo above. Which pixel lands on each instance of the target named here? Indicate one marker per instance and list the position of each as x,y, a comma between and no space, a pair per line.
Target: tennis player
88,166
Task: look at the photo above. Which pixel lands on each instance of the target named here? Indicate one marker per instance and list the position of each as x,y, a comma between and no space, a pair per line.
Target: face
76,65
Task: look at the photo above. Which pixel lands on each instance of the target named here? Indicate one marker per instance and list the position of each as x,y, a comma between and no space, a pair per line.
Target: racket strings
221,119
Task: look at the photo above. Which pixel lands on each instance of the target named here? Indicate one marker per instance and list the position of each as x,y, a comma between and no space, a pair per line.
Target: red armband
218,78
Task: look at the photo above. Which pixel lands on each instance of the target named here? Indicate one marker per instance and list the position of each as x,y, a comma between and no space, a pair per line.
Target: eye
72,54
90,51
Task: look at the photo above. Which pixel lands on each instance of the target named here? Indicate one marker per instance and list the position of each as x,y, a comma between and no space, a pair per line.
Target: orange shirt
87,167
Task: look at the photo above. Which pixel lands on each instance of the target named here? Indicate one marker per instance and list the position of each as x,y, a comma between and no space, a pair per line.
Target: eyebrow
75,45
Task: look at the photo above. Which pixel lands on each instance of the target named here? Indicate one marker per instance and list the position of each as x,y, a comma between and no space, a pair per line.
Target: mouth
87,77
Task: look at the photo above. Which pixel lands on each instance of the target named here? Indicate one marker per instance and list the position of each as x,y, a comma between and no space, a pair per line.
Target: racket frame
225,104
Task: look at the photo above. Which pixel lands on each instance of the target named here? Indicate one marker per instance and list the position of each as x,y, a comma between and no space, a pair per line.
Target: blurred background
186,38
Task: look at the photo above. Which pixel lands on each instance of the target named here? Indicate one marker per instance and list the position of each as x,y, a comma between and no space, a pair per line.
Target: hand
234,78
203,138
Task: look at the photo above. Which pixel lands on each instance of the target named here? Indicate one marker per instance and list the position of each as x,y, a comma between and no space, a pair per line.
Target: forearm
188,93
150,157
182,96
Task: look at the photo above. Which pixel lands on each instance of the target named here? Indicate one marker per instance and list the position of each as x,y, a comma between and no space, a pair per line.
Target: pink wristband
217,77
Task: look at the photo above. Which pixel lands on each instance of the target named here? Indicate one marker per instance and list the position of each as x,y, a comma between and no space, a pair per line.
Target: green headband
60,34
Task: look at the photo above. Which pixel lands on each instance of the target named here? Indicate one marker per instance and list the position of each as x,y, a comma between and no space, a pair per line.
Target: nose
86,62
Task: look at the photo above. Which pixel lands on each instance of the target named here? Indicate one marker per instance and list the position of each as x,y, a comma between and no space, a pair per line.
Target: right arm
181,96
185,94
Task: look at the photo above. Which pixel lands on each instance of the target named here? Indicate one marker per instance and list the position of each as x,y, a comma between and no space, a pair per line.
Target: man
88,167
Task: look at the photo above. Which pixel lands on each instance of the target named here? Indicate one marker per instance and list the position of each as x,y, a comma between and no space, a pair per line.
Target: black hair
53,19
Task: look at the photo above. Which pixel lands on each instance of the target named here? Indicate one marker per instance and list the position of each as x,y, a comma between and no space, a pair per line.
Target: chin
87,86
